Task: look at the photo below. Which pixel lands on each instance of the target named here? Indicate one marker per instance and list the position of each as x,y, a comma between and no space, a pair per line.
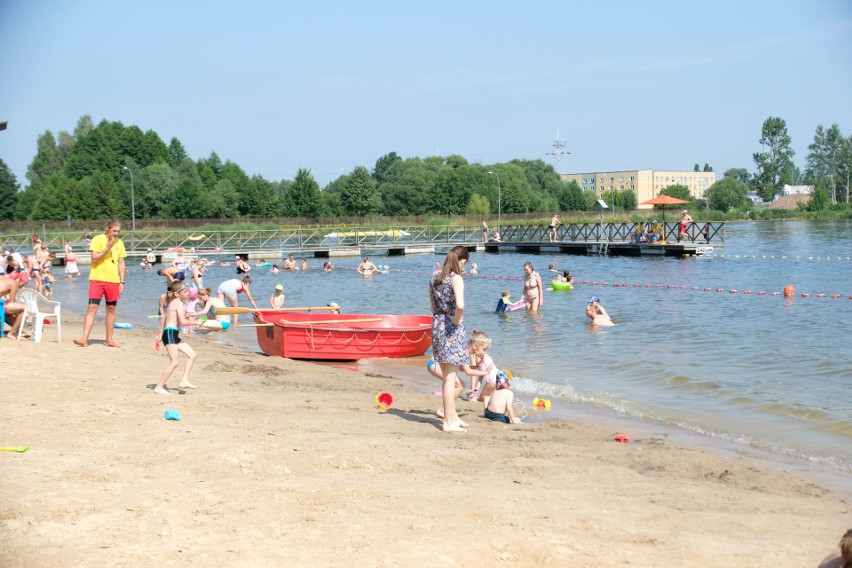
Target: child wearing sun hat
276,300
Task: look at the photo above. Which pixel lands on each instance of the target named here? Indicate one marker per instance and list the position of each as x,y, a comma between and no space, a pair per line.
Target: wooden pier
325,242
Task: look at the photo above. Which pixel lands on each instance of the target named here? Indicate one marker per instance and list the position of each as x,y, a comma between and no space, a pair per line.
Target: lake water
752,371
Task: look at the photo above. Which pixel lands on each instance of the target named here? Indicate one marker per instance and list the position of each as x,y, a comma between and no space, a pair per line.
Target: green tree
383,164
455,161
223,200
696,167
188,201
707,167
210,170
46,161
739,174
405,189
109,203
332,204
8,192
177,153
544,184
83,127
26,202
728,193
846,166
448,194
678,191
52,203
774,163
516,189
590,197
359,195
261,198
825,156
230,195
571,197
629,200
153,186
478,205
819,200
97,151
305,196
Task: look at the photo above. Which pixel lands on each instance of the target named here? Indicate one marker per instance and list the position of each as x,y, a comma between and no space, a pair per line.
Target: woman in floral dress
449,345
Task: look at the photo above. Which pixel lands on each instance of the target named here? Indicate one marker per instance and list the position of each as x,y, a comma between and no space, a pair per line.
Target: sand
286,463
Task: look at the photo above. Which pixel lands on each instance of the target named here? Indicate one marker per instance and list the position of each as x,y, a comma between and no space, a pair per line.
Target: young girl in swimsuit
210,304
532,288
482,369
169,334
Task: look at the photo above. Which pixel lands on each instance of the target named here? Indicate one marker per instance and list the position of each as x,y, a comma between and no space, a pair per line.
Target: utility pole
558,152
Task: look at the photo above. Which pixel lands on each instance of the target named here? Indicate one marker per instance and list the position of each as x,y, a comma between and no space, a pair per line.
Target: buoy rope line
809,258
746,292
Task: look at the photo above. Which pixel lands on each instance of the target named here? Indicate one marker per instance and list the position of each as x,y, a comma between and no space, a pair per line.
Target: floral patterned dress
449,344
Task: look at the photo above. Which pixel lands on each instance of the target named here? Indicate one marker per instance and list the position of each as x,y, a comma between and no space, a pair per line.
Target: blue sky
331,85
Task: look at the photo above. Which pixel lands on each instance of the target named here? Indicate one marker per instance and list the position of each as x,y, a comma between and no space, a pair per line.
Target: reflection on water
756,369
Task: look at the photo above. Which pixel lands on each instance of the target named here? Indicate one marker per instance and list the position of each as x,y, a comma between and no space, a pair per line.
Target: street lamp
132,200
499,211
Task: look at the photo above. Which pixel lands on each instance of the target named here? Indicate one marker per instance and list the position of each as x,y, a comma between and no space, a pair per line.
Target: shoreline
394,369
279,461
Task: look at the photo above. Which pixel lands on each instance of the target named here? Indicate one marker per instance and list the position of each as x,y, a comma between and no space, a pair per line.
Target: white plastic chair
36,307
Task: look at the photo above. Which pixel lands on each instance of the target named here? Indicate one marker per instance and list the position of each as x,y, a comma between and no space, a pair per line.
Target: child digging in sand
169,334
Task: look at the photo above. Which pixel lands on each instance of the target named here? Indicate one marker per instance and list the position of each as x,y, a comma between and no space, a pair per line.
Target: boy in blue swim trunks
499,407
170,323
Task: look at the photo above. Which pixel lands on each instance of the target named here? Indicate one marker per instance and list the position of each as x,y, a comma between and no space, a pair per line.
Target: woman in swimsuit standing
532,288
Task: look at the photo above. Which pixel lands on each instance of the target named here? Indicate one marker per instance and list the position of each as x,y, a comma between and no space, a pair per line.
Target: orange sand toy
384,400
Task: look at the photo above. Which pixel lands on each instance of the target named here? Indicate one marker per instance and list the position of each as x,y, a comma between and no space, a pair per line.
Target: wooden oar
229,311
320,322
358,320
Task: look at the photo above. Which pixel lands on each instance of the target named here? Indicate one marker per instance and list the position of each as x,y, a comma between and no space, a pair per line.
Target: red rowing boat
341,337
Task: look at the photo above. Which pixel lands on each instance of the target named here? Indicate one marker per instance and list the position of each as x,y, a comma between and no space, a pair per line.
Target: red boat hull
342,337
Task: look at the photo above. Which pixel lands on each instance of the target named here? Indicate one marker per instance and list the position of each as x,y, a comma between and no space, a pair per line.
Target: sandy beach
285,463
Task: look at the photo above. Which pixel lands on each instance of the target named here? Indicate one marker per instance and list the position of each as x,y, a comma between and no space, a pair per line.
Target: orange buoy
789,291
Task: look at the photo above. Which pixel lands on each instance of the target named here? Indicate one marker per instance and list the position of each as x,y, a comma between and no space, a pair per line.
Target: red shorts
99,289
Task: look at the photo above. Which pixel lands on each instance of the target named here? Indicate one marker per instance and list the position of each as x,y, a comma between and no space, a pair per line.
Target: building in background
646,184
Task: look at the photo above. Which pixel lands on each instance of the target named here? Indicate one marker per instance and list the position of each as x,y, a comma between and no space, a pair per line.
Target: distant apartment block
646,184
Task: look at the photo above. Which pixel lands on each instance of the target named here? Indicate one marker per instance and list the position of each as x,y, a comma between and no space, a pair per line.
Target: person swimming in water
596,312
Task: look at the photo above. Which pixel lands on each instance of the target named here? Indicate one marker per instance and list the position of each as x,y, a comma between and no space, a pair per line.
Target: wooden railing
369,237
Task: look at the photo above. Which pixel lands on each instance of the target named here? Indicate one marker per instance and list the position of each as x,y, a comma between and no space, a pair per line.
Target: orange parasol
664,199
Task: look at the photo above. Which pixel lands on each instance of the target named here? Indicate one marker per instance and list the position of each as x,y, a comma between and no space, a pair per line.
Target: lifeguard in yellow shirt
106,280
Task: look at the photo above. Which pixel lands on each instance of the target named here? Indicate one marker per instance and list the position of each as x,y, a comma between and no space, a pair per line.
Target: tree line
102,171
827,169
